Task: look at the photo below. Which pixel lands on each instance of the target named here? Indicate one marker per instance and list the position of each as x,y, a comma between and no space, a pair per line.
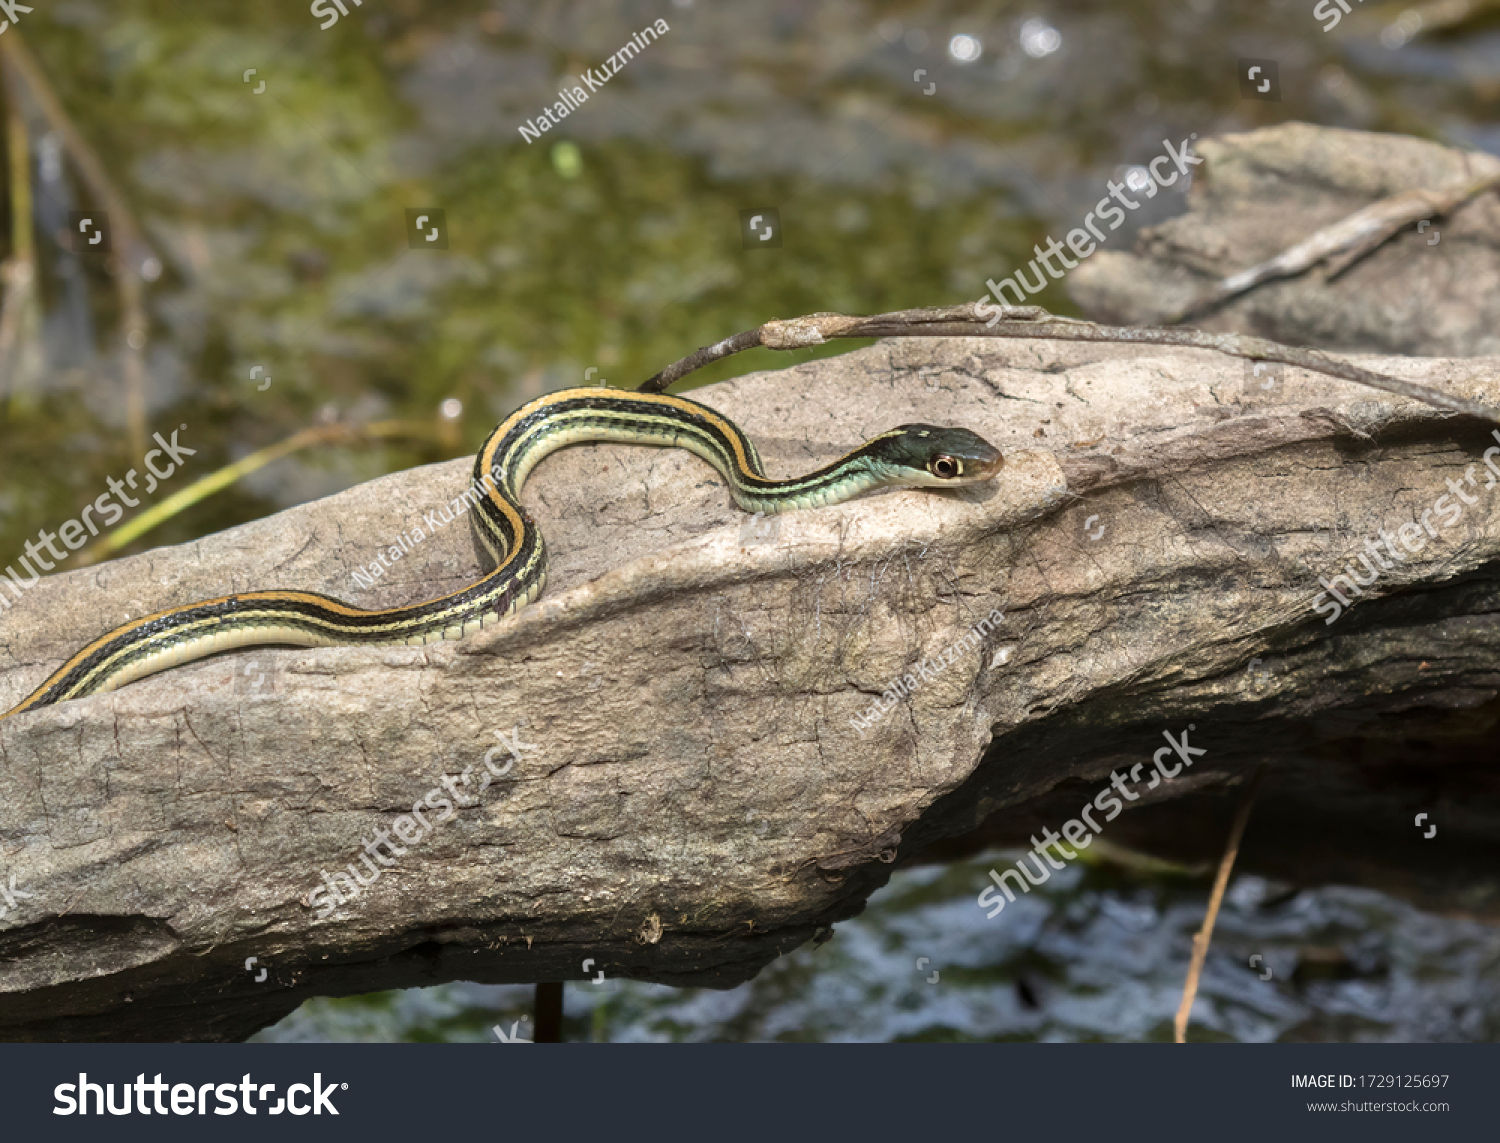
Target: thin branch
547,1013
18,316
1216,898
217,481
980,320
131,249
705,356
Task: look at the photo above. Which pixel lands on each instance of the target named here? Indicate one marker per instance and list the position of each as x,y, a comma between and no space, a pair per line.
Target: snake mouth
980,465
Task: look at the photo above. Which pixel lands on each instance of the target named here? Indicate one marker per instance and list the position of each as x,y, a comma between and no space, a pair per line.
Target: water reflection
1094,954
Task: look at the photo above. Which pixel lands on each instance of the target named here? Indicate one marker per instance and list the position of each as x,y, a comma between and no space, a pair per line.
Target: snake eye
944,467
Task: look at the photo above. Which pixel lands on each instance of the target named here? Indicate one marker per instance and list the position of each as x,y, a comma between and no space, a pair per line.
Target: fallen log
679,762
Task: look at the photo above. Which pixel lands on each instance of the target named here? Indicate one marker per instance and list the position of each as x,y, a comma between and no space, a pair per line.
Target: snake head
934,457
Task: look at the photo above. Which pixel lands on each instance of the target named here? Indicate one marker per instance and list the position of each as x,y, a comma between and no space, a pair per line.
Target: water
1096,954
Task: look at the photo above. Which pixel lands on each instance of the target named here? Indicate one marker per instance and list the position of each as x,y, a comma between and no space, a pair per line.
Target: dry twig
131,250
1221,882
18,318
201,489
969,320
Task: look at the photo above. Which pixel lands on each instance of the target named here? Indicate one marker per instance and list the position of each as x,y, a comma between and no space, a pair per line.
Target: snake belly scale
911,455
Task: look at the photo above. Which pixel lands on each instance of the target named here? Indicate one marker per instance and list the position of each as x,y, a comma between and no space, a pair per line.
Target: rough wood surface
692,798
1430,290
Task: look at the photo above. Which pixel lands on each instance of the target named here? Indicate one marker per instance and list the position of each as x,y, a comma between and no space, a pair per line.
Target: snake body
907,455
